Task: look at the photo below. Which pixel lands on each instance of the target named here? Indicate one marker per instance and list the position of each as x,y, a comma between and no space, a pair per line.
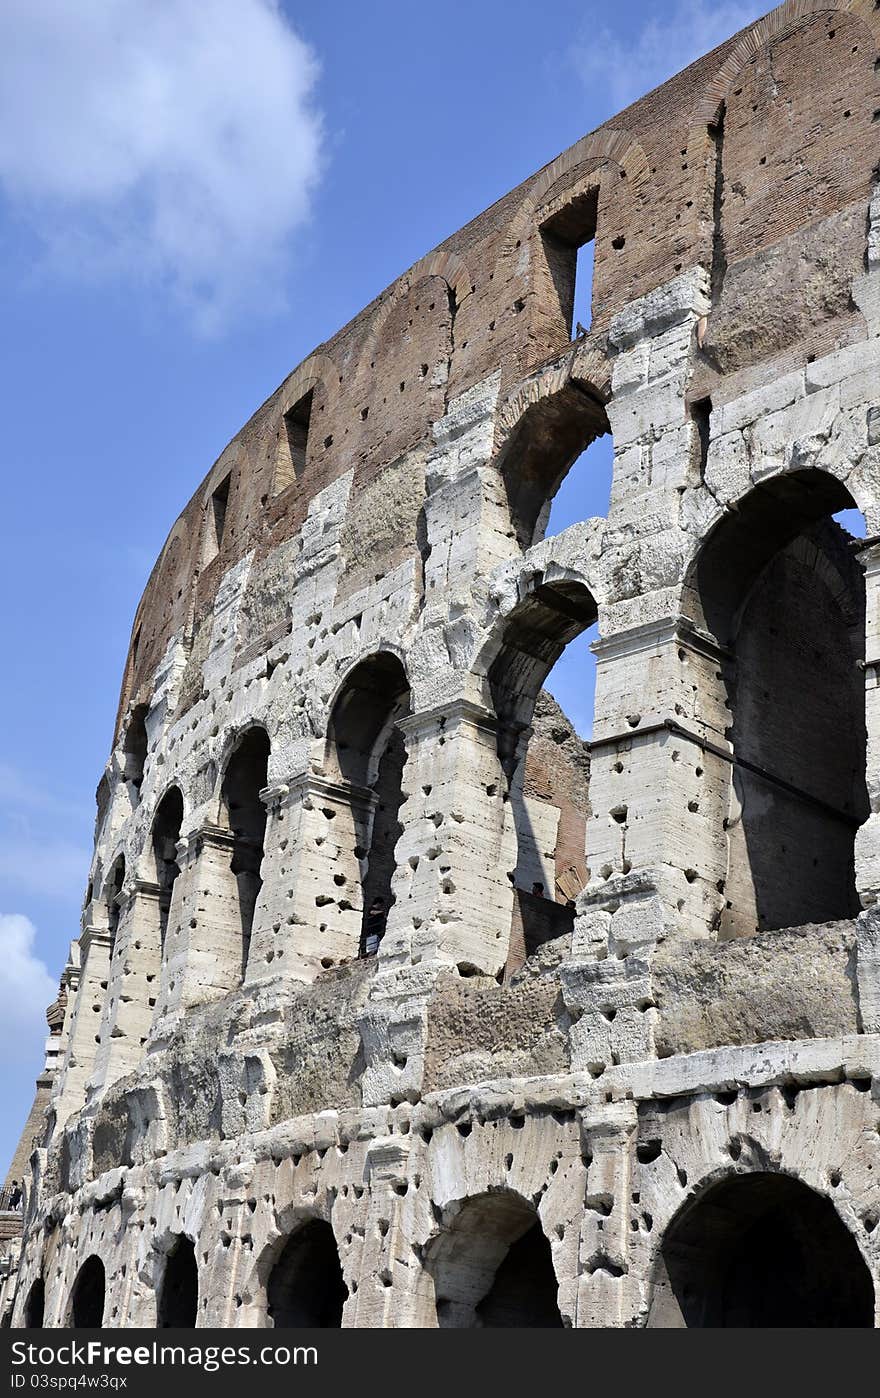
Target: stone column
605,1291
310,908
386,1296
134,986
453,881
203,941
96,945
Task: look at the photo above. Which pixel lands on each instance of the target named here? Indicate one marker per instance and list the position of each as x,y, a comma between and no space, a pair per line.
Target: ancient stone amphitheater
396,1004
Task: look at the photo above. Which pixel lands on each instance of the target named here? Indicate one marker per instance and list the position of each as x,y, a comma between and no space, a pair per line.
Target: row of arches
776,603
753,1250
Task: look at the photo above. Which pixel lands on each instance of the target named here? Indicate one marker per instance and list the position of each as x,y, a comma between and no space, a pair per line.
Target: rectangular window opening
569,239
216,521
296,427
701,414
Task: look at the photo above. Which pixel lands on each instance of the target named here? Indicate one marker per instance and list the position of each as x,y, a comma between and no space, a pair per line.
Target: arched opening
779,588
245,816
135,749
179,1297
551,436
35,1305
366,754
545,757
493,1267
761,1250
166,834
305,1287
114,895
87,1296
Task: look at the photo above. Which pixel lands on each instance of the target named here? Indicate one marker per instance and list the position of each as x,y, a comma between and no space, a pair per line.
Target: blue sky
194,193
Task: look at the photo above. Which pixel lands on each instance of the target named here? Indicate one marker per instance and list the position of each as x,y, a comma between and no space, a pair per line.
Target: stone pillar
134,986
203,940
96,945
605,1297
453,881
660,768
386,1296
310,908
868,837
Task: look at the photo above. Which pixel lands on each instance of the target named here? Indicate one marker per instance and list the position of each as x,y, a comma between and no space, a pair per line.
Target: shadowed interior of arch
366,755
305,1286
179,1297
761,1250
87,1296
778,591
245,813
492,1267
545,761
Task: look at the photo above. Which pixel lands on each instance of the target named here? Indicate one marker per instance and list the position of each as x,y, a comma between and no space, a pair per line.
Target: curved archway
35,1305
179,1298
756,1251
305,1287
778,587
166,833
549,437
135,749
87,1296
545,759
365,755
244,815
493,1268
113,894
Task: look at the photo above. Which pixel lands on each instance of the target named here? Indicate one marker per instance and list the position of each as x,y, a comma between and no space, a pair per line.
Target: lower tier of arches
533,1202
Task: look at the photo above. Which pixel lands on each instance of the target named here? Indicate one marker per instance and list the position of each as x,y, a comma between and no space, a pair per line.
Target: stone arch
364,758
87,1296
178,1303
777,591
302,1280
113,893
134,749
242,813
774,25
446,266
313,385
492,1265
760,1249
545,761
544,427
165,834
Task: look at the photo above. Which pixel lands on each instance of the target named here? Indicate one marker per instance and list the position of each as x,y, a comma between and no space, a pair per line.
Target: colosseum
396,1003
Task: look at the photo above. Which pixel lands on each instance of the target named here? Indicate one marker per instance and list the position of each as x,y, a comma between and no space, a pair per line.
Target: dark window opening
297,420
166,834
761,1251
246,776
701,414
179,1298
87,1296
493,1267
305,1287
569,242
215,525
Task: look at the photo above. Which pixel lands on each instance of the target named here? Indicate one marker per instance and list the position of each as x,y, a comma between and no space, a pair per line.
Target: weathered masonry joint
398,1003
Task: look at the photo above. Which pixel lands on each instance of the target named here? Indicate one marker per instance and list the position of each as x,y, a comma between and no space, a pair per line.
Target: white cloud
625,69
26,988
170,141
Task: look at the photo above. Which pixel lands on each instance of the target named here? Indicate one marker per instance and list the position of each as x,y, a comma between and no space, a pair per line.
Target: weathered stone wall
610,980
